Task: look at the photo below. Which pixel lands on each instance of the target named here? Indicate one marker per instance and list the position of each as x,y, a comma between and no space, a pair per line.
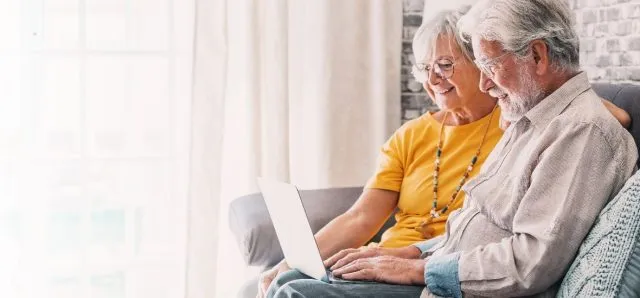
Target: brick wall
609,39
609,46
414,99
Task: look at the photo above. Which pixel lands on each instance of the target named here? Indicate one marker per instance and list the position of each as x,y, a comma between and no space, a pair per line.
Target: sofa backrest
627,97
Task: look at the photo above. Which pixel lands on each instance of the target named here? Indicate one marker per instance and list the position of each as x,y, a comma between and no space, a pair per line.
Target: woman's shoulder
416,124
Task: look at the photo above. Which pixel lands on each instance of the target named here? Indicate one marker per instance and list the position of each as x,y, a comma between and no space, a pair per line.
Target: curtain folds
311,92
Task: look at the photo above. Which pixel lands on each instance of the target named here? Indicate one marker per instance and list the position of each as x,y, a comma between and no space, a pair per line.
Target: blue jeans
295,284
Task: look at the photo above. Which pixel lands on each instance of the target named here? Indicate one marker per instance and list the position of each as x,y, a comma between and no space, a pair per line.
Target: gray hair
516,23
443,23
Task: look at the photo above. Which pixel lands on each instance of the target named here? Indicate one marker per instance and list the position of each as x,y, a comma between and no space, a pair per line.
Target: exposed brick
408,33
589,17
633,44
583,60
615,59
587,45
406,47
602,30
620,74
573,4
414,20
408,59
601,45
413,5
405,70
635,74
409,114
587,30
413,85
610,14
613,45
635,27
626,59
623,28
595,74
609,32
404,85
589,59
604,61
633,11
408,102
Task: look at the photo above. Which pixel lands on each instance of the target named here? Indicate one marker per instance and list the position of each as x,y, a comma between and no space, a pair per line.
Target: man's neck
554,81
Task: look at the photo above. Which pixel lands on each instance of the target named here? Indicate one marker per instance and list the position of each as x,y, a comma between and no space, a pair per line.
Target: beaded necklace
424,228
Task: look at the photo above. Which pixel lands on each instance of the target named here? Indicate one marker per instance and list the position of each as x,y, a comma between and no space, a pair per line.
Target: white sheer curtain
98,197
312,90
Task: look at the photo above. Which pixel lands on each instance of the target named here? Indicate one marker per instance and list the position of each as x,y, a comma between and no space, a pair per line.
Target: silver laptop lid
292,227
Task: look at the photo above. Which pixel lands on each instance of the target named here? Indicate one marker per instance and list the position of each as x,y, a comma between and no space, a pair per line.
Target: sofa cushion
608,261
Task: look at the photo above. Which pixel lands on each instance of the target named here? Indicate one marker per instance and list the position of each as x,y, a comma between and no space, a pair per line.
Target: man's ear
540,56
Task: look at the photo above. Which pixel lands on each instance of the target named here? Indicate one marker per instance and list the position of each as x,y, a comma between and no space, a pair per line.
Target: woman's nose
433,77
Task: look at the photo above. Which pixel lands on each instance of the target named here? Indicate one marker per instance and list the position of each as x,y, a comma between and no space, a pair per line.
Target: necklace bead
434,211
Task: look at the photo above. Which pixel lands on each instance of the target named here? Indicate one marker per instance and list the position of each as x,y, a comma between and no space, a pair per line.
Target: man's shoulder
587,113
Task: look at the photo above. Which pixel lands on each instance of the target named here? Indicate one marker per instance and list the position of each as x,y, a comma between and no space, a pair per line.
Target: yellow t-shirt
406,165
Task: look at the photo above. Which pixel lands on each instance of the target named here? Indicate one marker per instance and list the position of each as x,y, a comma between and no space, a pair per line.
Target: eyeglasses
443,68
488,66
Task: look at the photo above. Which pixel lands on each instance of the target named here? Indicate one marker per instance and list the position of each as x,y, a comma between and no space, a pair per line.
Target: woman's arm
359,224
620,114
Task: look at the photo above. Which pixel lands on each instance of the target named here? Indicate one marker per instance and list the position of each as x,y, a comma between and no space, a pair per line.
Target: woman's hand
346,256
268,276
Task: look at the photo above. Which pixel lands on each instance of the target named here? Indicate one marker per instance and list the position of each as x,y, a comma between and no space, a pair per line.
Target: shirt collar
556,102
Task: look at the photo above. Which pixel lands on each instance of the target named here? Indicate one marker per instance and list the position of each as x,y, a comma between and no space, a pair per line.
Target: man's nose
486,83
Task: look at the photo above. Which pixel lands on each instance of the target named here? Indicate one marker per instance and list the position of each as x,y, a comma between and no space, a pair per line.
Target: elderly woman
421,168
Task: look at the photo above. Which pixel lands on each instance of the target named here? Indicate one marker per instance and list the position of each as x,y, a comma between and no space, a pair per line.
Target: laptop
293,230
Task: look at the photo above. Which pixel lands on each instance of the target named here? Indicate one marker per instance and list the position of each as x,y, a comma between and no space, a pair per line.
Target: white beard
517,105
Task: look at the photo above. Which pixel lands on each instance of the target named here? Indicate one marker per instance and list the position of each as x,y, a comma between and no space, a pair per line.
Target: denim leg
284,278
298,285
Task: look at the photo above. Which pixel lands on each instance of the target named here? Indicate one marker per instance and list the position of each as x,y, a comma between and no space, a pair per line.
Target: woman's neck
466,115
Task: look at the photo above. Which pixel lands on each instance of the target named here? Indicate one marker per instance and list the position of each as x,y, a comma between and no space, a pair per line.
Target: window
94,127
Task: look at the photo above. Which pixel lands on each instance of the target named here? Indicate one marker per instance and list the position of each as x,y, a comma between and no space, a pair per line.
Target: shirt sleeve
390,169
424,246
570,184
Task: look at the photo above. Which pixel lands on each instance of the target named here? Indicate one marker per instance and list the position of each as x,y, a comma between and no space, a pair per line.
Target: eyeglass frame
486,65
422,67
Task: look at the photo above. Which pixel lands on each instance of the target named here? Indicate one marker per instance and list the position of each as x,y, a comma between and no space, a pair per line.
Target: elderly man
539,192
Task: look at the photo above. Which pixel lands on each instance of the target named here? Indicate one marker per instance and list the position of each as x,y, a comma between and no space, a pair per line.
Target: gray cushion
608,261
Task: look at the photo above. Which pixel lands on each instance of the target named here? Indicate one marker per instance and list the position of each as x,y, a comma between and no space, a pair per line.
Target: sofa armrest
252,227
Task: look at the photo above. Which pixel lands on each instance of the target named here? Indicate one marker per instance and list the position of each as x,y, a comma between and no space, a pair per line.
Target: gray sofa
251,225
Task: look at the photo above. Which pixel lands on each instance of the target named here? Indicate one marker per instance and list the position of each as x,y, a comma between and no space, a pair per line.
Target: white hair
443,23
515,23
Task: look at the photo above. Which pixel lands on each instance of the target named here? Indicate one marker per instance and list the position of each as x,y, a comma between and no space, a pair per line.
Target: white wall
431,7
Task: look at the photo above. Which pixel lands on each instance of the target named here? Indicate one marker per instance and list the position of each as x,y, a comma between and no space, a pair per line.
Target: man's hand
268,276
385,269
349,255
